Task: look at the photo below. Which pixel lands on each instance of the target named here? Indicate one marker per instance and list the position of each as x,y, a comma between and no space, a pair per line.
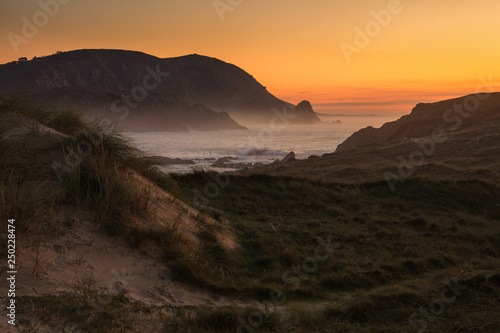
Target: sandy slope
85,259
81,258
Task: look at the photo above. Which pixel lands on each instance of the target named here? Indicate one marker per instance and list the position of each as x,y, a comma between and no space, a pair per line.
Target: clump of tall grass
65,121
25,200
98,177
26,193
102,178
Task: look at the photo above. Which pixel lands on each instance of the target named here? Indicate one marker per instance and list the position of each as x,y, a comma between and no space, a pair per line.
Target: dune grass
380,310
101,179
27,192
97,170
66,121
391,253
94,163
394,249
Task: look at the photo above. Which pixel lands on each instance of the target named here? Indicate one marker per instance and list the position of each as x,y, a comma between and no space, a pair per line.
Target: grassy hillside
391,252
312,256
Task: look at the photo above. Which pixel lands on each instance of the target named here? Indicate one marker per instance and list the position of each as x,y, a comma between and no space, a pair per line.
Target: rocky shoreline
227,162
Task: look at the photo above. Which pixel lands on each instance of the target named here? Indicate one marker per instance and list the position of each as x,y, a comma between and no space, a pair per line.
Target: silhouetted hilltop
188,92
426,118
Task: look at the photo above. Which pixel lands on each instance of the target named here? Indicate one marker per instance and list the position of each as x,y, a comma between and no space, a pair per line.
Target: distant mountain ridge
182,93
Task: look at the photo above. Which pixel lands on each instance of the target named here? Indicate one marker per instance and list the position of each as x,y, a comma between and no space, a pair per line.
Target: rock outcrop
290,157
304,114
160,160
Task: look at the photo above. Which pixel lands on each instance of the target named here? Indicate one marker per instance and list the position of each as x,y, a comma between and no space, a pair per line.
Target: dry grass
396,249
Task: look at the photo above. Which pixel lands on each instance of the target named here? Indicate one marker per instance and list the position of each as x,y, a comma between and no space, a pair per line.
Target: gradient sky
430,50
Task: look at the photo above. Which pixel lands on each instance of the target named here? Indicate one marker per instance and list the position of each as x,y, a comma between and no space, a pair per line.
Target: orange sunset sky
425,50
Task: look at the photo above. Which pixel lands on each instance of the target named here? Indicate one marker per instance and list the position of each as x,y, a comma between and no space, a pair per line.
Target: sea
263,144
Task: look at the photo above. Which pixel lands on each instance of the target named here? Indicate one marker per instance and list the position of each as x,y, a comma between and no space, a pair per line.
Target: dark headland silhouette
145,93
452,140
427,117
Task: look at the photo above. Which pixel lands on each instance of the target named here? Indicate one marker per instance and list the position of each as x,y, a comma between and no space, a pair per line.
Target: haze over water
258,144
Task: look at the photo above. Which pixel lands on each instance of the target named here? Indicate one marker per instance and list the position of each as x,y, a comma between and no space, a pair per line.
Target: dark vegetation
395,250
98,159
392,252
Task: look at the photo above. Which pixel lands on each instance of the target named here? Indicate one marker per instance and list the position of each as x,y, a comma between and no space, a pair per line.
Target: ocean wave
253,152
260,152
